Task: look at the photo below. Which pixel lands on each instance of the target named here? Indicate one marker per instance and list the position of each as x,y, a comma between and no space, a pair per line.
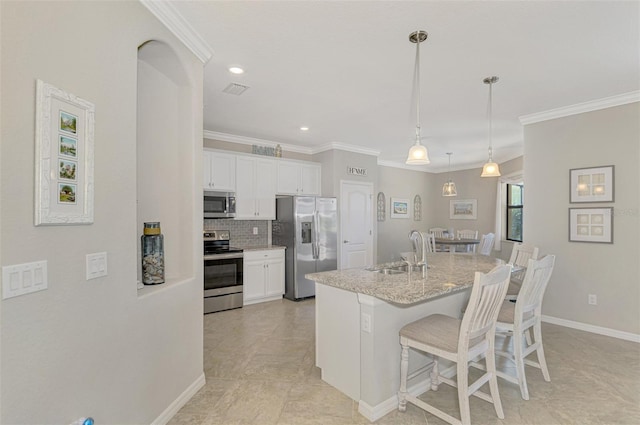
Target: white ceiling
345,69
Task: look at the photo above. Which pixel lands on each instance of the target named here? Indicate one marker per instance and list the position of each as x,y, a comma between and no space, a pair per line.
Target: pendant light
418,154
490,169
449,188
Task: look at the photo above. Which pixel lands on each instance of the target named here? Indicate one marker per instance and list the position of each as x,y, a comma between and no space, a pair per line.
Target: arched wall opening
164,156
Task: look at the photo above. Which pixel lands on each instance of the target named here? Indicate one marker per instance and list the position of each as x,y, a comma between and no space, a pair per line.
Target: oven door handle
223,256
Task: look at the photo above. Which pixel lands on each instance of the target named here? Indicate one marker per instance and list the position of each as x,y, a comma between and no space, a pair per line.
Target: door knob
345,241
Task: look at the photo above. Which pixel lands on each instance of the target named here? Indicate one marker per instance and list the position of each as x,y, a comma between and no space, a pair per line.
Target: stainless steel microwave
219,205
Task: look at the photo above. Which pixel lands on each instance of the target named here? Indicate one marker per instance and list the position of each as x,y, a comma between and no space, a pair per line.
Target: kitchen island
359,313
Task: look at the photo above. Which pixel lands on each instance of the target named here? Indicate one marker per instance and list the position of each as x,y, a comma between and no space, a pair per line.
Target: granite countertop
261,247
447,273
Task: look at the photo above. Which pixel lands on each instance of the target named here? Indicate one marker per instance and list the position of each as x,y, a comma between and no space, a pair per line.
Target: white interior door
356,224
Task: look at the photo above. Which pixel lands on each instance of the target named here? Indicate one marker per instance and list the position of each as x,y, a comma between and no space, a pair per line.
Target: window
515,194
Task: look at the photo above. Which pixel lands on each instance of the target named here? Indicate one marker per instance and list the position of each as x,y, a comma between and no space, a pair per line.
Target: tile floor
259,367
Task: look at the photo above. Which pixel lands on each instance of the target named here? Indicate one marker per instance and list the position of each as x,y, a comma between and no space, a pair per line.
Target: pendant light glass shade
490,169
449,188
418,154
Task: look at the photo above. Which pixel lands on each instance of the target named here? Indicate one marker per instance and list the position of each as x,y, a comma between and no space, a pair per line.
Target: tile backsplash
241,231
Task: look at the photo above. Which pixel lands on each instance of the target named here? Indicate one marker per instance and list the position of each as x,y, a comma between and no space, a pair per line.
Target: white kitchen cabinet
219,171
298,178
255,188
263,276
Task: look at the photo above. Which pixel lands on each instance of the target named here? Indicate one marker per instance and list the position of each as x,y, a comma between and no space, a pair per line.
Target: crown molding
580,108
175,22
345,147
243,140
232,138
392,164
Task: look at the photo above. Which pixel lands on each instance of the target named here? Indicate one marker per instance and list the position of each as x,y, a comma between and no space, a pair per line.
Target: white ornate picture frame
591,225
64,157
463,209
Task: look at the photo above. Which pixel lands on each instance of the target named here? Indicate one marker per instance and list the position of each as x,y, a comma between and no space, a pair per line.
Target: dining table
453,243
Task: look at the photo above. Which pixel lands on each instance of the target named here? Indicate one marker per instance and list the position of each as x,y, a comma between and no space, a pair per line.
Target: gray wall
402,183
91,347
334,169
469,185
610,271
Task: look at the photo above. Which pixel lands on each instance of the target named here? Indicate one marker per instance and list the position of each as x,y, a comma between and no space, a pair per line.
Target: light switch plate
25,278
96,265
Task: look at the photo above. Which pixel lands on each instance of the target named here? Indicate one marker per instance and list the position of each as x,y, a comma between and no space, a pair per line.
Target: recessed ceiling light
303,128
236,70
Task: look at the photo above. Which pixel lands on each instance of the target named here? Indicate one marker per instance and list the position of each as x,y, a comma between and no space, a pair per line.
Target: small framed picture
591,225
67,193
68,146
593,184
68,122
68,169
463,209
399,208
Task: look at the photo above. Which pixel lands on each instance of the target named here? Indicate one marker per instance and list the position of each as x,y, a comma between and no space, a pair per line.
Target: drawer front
263,255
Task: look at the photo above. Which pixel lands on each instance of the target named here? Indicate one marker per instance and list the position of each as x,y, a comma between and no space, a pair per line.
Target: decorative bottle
152,254
278,151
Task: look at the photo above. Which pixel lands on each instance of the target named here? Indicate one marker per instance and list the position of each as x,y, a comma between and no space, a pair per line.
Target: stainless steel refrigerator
308,227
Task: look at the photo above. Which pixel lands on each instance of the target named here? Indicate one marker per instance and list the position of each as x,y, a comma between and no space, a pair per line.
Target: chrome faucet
419,249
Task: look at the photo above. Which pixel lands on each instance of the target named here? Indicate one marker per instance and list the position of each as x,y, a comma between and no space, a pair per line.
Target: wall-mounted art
64,157
381,207
591,225
399,208
417,208
593,184
463,209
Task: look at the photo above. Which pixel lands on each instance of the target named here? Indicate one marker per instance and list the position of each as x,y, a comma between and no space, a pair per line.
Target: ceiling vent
235,88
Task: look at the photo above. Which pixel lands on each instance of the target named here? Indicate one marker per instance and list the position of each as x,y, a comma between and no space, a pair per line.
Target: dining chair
460,341
517,319
429,241
520,256
438,232
486,244
467,234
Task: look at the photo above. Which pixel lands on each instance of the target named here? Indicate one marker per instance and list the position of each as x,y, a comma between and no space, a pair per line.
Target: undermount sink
397,269
390,271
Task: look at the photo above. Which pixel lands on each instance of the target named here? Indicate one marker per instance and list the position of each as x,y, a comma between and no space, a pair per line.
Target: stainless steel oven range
222,272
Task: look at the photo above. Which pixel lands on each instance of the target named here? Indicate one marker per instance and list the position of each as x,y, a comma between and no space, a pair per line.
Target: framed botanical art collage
64,157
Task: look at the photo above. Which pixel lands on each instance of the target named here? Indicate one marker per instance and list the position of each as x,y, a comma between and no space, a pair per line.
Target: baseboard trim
177,404
628,336
373,413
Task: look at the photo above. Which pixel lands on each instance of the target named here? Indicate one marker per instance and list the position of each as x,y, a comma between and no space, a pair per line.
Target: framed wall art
463,209
381,207
593,184
591,225
64,157
417,208
399,208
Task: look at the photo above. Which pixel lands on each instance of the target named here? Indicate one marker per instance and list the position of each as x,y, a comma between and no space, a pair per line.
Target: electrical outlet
255,230
366,322
593,299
